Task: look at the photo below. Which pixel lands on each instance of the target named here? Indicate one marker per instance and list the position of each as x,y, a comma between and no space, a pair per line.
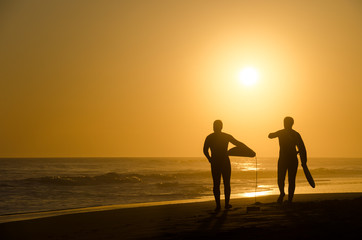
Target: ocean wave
167,179
335,173
161,180
108,178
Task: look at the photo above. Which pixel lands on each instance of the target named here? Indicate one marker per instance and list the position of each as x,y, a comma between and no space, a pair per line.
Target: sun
249,76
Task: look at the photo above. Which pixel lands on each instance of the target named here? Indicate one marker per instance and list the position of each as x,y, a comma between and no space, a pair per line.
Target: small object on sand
252,209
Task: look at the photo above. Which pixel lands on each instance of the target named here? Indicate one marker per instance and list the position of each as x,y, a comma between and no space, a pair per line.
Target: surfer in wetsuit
218,142
289,140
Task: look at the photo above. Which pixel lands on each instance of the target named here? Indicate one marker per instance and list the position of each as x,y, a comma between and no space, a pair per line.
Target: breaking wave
108,178
165,179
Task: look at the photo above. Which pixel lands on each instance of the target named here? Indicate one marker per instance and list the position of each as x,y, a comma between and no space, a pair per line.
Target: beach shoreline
313,214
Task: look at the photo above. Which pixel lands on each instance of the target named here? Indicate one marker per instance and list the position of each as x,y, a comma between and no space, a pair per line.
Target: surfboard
308,176
241,151
303,158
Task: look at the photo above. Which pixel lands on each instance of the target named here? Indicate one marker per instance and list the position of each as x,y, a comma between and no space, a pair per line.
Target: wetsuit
289,139
218,142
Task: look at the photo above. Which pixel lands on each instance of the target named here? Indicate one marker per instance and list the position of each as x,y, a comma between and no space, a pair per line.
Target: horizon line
58,157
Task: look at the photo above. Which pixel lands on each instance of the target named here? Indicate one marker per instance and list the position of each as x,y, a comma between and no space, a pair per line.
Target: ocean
42,184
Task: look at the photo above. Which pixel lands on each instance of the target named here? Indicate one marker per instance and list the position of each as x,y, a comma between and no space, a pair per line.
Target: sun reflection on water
245,166
257,194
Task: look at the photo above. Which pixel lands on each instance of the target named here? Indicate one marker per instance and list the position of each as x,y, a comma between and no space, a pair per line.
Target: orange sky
148,78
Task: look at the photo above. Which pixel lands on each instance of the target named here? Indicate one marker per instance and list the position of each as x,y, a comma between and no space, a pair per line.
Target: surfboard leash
256,177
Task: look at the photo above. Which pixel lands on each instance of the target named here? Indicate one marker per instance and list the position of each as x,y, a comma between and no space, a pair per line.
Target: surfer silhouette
289,141
218,142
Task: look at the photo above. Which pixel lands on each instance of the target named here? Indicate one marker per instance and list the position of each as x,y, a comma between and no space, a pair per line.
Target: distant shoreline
276,157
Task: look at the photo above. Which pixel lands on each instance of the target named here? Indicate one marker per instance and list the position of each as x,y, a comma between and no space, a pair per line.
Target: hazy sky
148,78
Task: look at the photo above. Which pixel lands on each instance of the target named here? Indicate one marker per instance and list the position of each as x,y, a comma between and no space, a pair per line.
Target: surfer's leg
292,173
226,174
282,171
216,177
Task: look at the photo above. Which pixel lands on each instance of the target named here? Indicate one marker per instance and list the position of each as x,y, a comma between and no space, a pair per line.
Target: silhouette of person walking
218,142
289,140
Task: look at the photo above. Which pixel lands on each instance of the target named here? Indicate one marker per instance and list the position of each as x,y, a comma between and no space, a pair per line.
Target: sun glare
256,194
249,76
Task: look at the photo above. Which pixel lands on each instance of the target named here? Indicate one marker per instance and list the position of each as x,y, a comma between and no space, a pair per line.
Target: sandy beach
310,216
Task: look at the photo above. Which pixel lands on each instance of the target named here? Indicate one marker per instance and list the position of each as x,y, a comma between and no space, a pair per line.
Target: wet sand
311,216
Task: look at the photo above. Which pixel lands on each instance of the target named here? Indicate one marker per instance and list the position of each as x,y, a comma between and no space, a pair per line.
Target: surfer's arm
206,150
237,143
273,135
302,150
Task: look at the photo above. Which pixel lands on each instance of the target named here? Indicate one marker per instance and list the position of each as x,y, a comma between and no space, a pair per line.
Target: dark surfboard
308,176
241,151
303,158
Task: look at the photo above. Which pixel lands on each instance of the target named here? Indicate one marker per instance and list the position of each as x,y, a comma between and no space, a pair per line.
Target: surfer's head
217,126
288,122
